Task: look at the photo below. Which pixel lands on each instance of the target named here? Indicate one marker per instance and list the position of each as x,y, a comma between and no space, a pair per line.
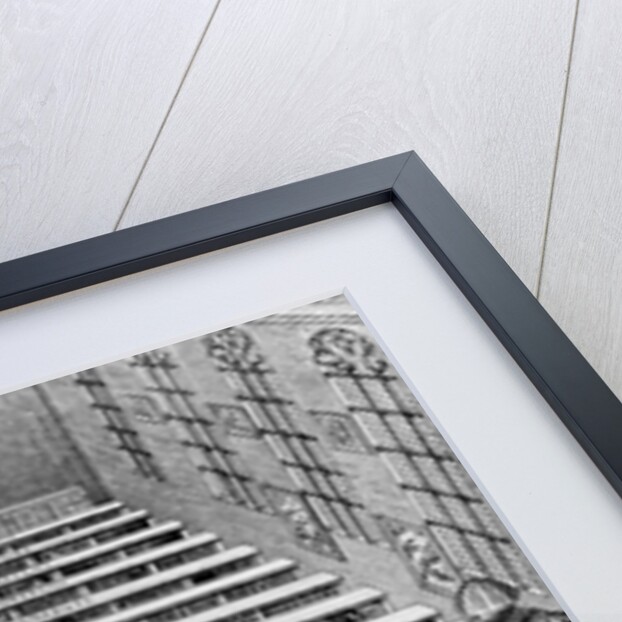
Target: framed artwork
332,400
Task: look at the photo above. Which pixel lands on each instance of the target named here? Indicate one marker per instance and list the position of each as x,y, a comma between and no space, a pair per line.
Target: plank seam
547,217
166,116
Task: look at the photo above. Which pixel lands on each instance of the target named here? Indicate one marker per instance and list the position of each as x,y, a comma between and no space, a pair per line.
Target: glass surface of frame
552,498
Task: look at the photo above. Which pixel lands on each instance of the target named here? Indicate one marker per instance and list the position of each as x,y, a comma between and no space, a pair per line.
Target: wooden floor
112,114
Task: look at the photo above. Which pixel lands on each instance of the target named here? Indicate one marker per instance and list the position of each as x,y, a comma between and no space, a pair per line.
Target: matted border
580,398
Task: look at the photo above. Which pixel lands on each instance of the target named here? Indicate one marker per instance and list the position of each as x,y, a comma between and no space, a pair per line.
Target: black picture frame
572,388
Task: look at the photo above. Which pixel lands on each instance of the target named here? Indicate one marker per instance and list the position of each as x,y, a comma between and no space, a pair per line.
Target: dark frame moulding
581,399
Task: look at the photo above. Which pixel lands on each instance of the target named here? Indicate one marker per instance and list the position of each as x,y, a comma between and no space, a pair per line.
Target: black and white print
277,470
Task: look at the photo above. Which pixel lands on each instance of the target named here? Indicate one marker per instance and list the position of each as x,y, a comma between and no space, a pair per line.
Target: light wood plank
582,275
282,91
84,87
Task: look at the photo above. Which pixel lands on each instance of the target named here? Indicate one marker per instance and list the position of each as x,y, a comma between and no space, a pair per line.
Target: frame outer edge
573,389
153,244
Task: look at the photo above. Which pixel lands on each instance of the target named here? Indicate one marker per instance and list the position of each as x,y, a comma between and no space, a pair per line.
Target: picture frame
575,392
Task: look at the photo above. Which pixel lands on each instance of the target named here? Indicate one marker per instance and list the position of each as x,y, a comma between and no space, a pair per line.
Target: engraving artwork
279,470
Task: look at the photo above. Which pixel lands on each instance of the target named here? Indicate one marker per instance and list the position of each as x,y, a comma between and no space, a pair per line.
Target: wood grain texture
282,91
84,87
582,271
